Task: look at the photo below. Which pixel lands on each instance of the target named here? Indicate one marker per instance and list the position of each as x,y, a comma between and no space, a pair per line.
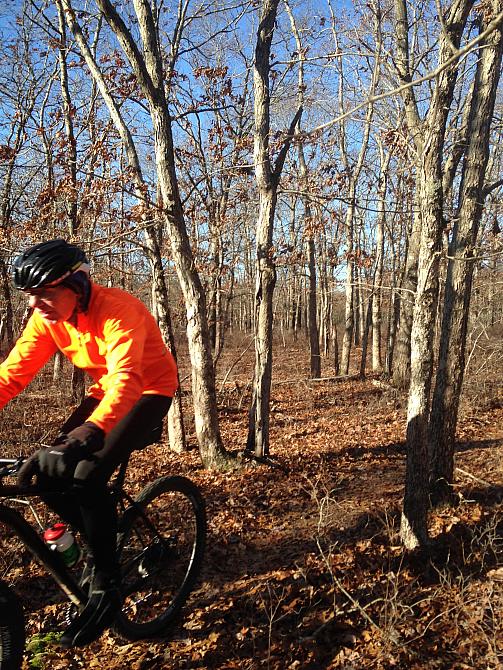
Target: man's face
54,304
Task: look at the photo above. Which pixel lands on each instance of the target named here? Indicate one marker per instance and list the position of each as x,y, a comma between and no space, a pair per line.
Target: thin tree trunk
393,315
347,337
78,378
314,337
309,226
68,111
176,429
335,345
358,308
366,334
354,170
17,135
57,366
377,364
78,385
8,316
265,271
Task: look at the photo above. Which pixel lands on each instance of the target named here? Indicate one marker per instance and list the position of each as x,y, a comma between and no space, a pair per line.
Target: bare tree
309,222
213,180
267,178
353,170
384,161
21,88
431,223
462,259
149,75
68,113
404,66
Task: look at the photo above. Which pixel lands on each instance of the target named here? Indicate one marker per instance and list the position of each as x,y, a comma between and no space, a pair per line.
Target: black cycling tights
85,503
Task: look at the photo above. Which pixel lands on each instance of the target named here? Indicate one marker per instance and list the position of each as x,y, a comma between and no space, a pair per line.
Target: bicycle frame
31,539
148,546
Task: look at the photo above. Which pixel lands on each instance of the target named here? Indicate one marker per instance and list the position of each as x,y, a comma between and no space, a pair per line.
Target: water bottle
60,539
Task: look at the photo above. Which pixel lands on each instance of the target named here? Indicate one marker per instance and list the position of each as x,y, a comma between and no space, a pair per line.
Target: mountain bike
160,540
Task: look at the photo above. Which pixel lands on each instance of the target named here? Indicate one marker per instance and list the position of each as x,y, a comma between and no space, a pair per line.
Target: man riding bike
112,336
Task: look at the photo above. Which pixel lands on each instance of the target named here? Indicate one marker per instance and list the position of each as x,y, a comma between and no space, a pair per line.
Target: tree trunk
160,299
353,171
462,249
326,310
78,385
414,531
8,316
57,367
314,337
267,182
16,136
407,289
309,224
68,112
335,345
349,316
393,315
377,365
258,433
401,354
212,451
366,335
78,381
148,71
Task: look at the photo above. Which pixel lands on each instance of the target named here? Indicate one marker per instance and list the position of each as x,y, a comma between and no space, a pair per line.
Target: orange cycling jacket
116,341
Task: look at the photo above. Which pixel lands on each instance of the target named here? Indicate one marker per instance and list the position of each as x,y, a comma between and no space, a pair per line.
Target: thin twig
224,381
476,479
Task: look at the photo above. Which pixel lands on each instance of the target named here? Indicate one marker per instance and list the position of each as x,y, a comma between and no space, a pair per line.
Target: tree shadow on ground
393,448
469,445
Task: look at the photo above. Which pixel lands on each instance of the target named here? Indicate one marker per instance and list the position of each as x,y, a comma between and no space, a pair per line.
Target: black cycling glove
61,459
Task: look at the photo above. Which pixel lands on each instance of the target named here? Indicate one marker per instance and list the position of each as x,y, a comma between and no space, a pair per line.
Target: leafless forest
308,197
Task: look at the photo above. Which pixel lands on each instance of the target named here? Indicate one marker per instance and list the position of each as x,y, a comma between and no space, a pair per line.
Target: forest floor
304,569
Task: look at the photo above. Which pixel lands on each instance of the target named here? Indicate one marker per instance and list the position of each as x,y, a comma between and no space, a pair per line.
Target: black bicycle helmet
46,263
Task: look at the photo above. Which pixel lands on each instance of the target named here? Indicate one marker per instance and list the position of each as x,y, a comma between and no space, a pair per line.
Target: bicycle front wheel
12,631
161,545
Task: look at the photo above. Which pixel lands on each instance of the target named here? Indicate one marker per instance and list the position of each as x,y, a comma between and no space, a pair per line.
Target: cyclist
112,336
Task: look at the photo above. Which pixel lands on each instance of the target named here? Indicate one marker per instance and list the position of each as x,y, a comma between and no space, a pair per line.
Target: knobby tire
161,555
12,629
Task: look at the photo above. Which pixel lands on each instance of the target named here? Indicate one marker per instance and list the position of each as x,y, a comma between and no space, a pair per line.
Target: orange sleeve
122,386
31,352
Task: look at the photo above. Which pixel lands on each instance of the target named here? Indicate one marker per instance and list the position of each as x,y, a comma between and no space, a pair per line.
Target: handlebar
10,466
24,470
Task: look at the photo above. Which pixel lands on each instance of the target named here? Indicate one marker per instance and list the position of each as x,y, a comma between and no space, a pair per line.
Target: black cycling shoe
105,602
85,583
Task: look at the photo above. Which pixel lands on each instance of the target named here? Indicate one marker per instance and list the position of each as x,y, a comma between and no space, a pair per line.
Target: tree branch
464,51
280,160
129,46
489,188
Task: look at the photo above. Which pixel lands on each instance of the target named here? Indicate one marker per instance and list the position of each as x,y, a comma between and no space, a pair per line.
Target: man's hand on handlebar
27,471
61,459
